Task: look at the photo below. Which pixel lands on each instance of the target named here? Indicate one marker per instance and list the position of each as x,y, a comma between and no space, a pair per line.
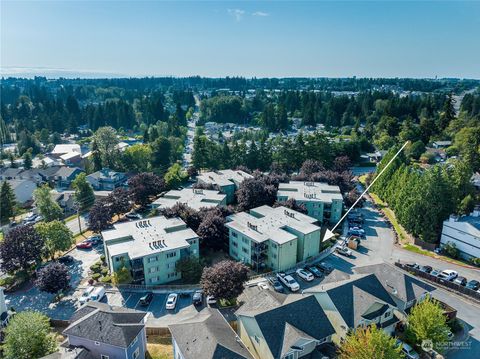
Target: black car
314,270
146,299
473,284
197,297
324,267
66,259
426,269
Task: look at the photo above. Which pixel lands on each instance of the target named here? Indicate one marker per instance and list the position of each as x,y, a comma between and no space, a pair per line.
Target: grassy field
159,347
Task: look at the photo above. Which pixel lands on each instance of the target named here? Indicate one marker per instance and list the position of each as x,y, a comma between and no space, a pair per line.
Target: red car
84,245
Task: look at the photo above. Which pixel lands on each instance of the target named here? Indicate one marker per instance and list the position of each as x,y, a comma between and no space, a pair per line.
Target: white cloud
237,13
260,13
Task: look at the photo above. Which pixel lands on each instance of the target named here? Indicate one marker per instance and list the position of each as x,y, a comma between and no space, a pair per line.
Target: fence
312,260
442,282
145,287
425,245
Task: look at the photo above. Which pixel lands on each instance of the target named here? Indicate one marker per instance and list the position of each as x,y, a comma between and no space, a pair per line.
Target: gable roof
355,298
67,171
396,282
100,322
257,300
208,336
285,325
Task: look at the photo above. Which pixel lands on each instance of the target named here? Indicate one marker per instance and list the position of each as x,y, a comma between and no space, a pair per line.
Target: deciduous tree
145,185
224,280
53,278
49,209
56,236
99,216
21,248
83,191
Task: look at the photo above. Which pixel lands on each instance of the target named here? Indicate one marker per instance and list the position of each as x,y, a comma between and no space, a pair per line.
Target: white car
171,301
263,285
407,350
343,251
98,294
288,280
211,300
448,274
302,273
85,297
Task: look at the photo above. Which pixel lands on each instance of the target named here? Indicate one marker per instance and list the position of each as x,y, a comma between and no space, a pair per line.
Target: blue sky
251,38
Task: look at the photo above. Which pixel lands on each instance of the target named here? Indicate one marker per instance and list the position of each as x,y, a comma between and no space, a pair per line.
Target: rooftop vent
289,214
252,226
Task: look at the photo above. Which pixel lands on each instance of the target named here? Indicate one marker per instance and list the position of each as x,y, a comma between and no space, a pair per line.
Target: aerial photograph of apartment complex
239,179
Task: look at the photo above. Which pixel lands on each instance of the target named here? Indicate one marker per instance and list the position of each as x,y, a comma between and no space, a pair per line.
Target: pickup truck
288,280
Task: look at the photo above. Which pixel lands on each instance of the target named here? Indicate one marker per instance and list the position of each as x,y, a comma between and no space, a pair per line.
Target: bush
102,258
451,250
96,276
95,268
106,279
475,261
7,281
454,325
104,271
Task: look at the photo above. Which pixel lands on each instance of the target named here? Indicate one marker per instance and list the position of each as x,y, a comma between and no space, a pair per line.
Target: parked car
277,285
325,267
30,218
353,232
84,245
263,285
97,294
146,299
344,251
288,281
435,272
211,300
85,297
438,250
413,265
94,240
171,301
66,259
197,297
448,274
305,275
407,350
460,281
314,270
426,269
473,284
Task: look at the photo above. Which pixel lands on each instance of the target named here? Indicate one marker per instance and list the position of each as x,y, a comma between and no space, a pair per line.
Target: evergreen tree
7,202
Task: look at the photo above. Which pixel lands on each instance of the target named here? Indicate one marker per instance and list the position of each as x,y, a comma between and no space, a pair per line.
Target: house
193,197
43,162
66,199
62,149
227,181
441,144
323,201
5,313
405,289
71,158
33,174
64,176
98,330
464,232
106,179
23,190
150,248
10,173
277,326
206,336
277,238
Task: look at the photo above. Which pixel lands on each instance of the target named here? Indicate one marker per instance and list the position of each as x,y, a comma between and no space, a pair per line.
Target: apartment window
136,353
117,259
274,245
152,259
172,275
235,244
234,234
274,256
152,270
244,250
235,253
171,255
244,240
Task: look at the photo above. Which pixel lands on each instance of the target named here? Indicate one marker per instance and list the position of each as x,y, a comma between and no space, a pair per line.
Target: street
73,224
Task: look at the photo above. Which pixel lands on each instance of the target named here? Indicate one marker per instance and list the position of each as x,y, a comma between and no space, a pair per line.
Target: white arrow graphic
329,233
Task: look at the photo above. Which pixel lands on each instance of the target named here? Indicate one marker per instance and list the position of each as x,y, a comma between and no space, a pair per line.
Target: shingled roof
301,318
208,336
110,325
355,298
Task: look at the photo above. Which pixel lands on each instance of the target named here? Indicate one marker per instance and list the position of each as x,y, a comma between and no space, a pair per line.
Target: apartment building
276,238
227,181
195,198
464,232
323,201
150,248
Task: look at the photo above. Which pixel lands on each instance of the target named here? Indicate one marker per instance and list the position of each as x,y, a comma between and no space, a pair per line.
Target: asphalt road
73,224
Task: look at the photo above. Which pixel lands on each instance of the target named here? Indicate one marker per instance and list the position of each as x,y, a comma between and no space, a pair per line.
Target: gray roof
256,300
354,299
283,326
396,282
208,336
10,172
100,322
67,171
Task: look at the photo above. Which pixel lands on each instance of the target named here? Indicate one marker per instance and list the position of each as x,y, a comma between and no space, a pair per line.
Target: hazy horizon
250,39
